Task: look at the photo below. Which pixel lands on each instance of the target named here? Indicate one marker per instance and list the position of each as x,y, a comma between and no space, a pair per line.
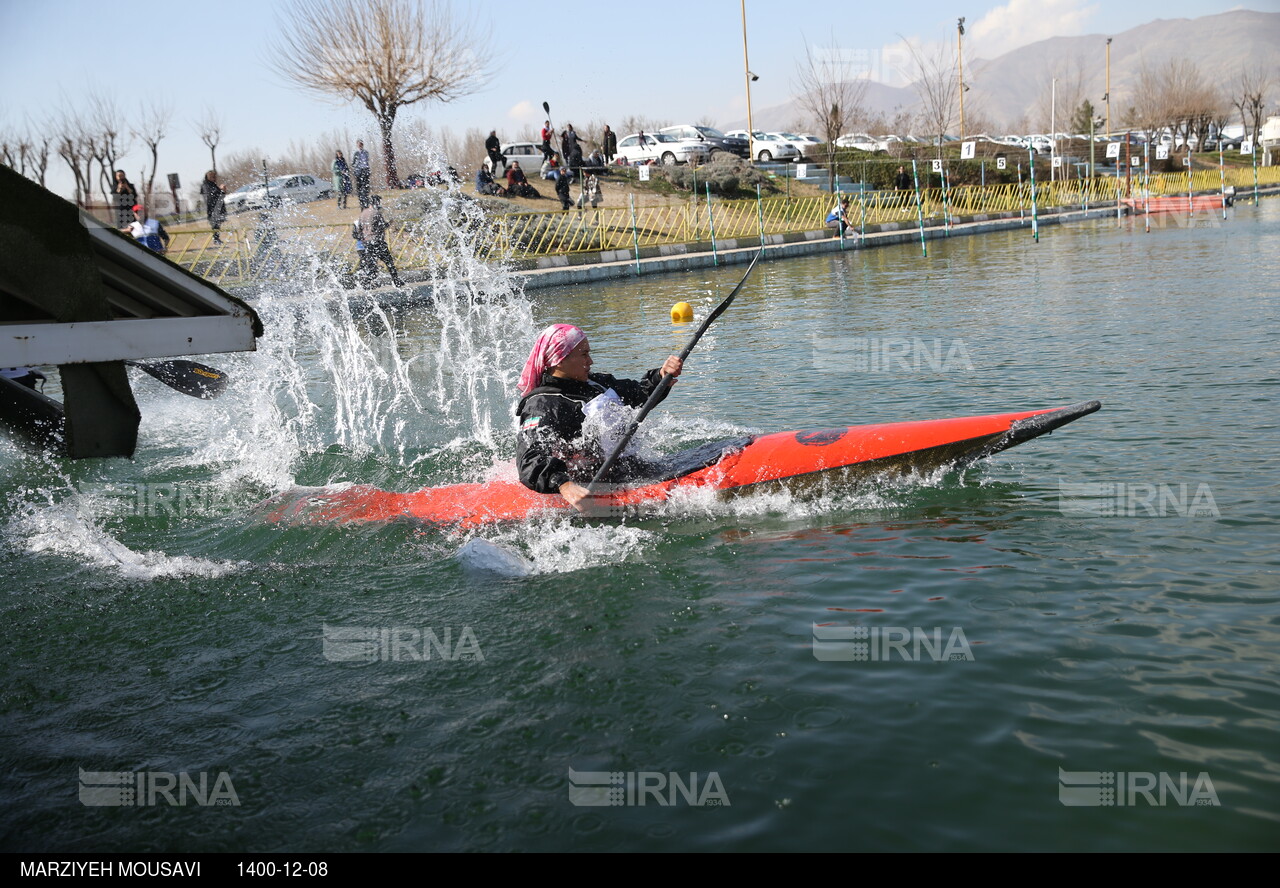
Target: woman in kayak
559,396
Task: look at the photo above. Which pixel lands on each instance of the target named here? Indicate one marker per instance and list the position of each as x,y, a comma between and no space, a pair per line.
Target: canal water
1073,646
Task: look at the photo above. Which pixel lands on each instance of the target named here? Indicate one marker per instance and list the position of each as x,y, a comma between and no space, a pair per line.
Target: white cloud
1020,22
525,112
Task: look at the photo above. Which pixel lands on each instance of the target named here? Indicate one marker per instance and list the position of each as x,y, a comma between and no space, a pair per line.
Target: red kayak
790,459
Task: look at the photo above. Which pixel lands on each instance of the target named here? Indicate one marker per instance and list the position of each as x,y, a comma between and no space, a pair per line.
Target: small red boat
790,459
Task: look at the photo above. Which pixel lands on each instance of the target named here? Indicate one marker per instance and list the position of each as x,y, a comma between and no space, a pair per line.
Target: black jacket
549,445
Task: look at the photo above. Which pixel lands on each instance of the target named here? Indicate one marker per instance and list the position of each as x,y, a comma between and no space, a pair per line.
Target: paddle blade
188,377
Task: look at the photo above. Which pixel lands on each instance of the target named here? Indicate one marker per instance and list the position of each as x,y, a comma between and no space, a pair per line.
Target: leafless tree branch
383,54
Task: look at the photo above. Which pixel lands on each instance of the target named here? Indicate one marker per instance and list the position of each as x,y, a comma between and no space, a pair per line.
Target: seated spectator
551,167
517,184
595,162
486,185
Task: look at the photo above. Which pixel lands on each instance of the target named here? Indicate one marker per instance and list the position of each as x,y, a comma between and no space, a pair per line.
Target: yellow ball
682,311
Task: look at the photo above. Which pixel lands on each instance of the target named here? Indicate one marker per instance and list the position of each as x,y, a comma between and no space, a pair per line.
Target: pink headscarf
552,347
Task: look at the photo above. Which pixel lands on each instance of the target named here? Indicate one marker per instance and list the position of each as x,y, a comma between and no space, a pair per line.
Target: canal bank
553,271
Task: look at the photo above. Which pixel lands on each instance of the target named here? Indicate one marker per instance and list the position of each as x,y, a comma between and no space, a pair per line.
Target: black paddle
188,377
667,381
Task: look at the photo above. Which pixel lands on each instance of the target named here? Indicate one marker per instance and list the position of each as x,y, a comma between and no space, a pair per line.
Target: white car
769,146
528,153
802,145
861,141
293,188
664,148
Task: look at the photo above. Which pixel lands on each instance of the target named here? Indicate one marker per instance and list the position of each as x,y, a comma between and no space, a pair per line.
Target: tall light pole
1107,98
746,67
1053,131
960,63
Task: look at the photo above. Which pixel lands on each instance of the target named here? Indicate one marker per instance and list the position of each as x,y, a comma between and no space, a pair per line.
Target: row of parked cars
683,143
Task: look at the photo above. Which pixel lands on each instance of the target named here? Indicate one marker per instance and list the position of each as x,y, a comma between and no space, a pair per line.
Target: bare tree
77,147
832,95
384,54
1251,100
209,128
1148,113
936,82
111,138
151,127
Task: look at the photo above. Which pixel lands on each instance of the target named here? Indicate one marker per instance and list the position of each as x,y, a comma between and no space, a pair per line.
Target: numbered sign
1246,147
1162,152
967,150
937,166
802,170
1001,163
1186,161
1113,149
644,173
1057,163
1135,161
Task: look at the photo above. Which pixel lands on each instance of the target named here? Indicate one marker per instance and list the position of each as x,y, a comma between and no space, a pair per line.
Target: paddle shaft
666,382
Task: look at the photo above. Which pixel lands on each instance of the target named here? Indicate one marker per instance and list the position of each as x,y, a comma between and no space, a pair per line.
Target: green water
145,633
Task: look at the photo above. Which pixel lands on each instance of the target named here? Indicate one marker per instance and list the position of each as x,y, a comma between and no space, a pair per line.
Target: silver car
643,147
295,188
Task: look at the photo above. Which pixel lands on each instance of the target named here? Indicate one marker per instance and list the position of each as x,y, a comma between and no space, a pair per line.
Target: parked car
528,153
663,148
716,140
770,146
861,141
802,145
293,188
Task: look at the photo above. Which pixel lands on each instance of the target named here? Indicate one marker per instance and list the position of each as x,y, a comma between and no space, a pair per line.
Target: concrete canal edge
555,271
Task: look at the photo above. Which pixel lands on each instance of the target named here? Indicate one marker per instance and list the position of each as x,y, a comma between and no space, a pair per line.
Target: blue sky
660,59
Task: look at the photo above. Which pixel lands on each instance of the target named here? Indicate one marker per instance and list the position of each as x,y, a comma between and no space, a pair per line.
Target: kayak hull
794,460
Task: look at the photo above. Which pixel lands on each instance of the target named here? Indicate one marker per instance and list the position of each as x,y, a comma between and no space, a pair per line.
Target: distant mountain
1012,91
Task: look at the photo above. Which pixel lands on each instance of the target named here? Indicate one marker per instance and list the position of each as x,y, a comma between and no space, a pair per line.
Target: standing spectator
569,144
124,195
547,133
494,149
215,206
147,231
562,191
373,231
610,144
902,181
360,166
590,192
341,179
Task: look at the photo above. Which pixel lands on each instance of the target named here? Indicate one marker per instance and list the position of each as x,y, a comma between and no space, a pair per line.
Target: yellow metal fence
323,251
